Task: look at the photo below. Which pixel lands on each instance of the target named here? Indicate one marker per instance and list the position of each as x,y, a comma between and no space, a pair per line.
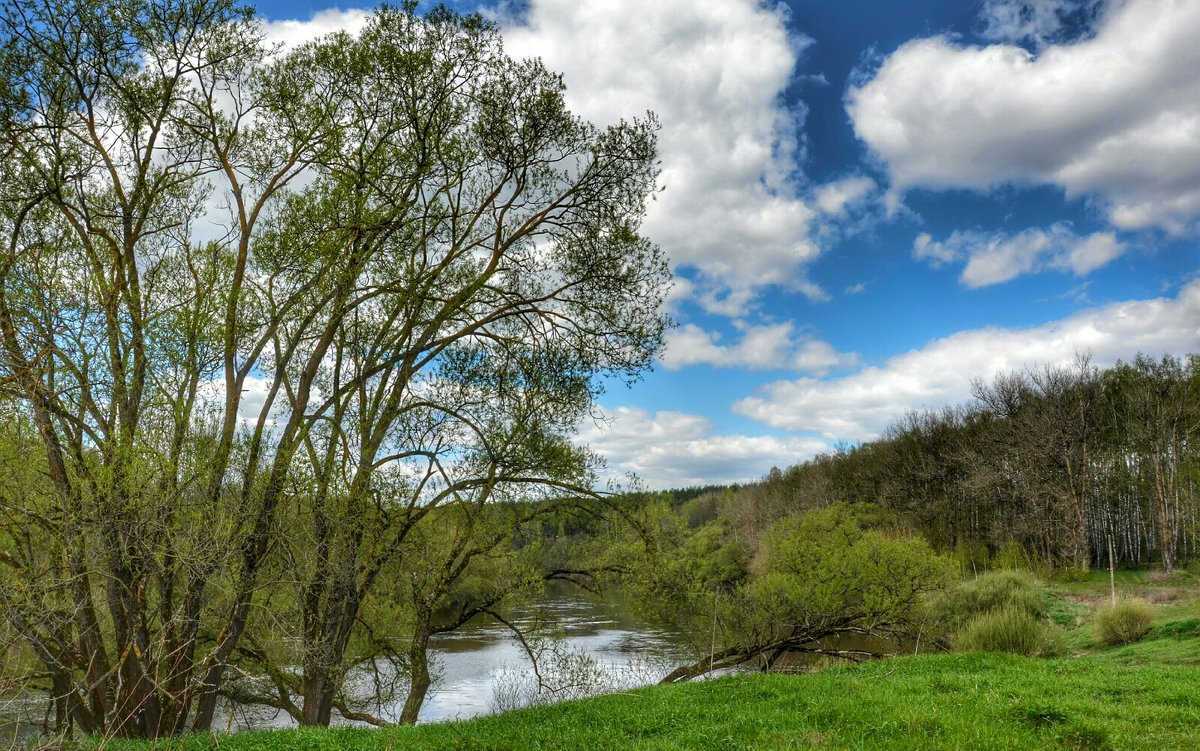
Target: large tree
362,280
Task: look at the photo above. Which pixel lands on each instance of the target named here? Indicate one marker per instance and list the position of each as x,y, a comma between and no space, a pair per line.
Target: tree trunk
418,682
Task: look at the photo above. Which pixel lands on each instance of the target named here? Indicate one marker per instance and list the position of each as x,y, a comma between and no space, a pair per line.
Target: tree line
1046,469
1051,463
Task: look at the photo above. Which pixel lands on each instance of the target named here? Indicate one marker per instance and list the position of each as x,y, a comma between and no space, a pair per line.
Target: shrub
951,610
1124,623
1010,629
991,591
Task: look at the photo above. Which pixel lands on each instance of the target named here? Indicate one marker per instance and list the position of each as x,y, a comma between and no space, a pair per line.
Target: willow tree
363,280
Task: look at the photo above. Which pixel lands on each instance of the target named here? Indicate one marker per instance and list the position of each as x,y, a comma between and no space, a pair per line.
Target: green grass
945,701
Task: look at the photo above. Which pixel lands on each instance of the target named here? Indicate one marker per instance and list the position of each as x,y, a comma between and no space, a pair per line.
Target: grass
1009,629
1144,695
944,701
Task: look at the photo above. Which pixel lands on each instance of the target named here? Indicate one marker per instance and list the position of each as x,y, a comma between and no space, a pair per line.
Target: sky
867,204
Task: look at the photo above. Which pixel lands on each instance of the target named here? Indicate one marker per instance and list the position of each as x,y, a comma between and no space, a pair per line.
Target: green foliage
1011,629
1013,556
814,575
1126,622
1070,574
823,567
971,555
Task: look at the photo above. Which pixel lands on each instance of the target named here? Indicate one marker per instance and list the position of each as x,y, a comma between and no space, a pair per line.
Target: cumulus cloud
859,406
760,347
937,254
674,449
1114,117
993,258
714,73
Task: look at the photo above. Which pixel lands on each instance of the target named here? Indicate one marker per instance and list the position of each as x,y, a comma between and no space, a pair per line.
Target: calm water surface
481,668
481,658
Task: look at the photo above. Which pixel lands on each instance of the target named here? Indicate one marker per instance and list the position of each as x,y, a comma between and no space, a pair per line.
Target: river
590,645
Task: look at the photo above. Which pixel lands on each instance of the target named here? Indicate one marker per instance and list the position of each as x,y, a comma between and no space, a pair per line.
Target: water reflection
483,656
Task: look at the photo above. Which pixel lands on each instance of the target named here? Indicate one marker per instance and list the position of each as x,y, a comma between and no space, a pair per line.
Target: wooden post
1112,572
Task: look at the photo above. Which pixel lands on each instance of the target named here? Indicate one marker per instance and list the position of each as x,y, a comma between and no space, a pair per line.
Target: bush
1124,623
991,591
951,610
1010,629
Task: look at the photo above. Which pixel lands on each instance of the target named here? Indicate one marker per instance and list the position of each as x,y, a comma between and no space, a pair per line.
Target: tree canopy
266,313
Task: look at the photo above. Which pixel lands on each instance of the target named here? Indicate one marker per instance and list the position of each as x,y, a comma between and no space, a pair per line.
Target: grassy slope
950,701
1141,696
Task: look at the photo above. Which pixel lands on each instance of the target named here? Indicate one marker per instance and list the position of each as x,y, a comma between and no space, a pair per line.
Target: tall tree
1156,406
420,264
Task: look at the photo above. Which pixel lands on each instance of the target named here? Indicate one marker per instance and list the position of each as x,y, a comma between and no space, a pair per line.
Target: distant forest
1049,465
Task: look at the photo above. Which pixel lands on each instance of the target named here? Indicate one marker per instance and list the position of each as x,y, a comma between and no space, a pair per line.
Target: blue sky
869,203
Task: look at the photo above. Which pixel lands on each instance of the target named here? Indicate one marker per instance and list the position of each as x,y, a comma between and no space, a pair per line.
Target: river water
597,645
585,645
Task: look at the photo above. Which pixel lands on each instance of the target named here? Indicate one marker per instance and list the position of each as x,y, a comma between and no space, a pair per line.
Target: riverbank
947,701
1144,695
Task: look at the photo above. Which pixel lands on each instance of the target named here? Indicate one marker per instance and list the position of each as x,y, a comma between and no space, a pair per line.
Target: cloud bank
859,406
675,449
714,72
1114,117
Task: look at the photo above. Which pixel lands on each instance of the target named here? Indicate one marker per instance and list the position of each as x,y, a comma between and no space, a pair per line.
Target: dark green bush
952,609
1009,629
1124,623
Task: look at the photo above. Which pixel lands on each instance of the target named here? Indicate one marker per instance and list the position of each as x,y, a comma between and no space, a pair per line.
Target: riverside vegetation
1090,696
293,343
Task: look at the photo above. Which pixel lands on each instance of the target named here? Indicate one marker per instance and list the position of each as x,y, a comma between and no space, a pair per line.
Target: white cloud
291,33
834,198
993,258
856,289
937,254
714,72
1115,117
819,357
859,406
675,449
760,347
